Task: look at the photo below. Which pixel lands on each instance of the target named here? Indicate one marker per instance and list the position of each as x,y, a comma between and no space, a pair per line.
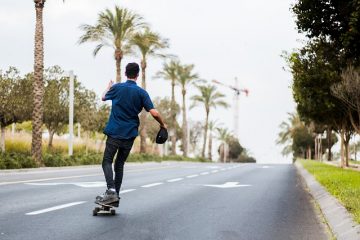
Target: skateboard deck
104,209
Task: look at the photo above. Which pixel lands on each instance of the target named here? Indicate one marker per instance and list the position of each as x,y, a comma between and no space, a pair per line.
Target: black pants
122,147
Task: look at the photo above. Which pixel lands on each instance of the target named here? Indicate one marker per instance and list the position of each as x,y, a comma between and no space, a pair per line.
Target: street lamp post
71,112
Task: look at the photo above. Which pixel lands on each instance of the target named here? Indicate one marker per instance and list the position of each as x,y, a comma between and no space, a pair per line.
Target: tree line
92,115
127,33
17,104
326,77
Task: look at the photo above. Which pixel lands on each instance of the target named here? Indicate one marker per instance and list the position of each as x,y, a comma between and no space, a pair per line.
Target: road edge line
338,218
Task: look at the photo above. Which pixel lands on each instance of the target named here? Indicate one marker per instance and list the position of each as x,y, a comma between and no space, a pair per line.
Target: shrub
16,161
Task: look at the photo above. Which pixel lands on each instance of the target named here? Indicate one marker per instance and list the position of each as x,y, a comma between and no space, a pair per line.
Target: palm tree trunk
222,152
38,91
205,133
173,114
143,113
2,139
118,57
184,125
143,73
210,147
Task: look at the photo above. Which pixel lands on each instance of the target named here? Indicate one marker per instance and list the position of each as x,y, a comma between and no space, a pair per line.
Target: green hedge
55,159
23,160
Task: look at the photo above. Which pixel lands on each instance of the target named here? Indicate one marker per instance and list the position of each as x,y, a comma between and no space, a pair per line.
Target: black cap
162,136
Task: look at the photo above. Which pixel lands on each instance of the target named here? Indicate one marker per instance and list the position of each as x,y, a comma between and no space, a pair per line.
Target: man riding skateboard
128,100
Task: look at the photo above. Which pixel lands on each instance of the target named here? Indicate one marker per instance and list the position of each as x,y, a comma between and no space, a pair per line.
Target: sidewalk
339,219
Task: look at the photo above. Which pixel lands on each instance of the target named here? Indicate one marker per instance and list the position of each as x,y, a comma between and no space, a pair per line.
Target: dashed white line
215,171
192,176
223,169
204,173
175,180
127,190
49,179
54,208
152,185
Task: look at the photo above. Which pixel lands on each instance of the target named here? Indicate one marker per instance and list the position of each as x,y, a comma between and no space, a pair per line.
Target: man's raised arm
106,90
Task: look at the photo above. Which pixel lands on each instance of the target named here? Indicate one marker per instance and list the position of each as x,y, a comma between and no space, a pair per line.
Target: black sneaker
108,197
115,204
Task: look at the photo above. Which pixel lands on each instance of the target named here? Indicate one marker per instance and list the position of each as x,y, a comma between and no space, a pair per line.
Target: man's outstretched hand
107,89
110,84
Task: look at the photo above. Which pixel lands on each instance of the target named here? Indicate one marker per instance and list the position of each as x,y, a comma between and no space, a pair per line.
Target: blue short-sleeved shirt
128,100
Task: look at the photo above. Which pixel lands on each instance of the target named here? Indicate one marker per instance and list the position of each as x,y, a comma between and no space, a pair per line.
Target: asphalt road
161,201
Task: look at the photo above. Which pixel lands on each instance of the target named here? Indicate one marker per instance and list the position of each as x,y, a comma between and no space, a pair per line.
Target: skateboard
104,209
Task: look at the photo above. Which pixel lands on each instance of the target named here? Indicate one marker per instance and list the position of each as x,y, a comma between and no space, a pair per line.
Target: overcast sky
224,39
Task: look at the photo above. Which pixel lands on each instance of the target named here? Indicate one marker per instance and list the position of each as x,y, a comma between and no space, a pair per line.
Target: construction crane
237,92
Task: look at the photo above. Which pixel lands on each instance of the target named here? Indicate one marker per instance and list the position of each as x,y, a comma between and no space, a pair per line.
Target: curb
339,219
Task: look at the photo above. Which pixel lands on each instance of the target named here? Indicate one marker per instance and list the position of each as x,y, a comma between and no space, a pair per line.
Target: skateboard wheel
95,212
113,212
97,209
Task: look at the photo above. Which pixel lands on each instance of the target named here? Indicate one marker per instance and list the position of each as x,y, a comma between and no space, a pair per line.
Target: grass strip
344,184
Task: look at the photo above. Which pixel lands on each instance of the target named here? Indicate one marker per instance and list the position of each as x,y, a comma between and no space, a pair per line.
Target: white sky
224,39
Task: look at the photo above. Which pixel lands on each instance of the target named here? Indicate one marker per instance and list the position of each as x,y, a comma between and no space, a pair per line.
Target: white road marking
175,180
204,173
192,176
78,184
215,171
127,190
228,185
152,185
54,208
265,167
50,179
213,167
81,176
223,169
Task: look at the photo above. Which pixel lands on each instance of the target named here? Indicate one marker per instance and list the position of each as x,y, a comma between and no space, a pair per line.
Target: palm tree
169,72
149,44
113,29
212,126
288,130
223,136
210,98
38,85
184,79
